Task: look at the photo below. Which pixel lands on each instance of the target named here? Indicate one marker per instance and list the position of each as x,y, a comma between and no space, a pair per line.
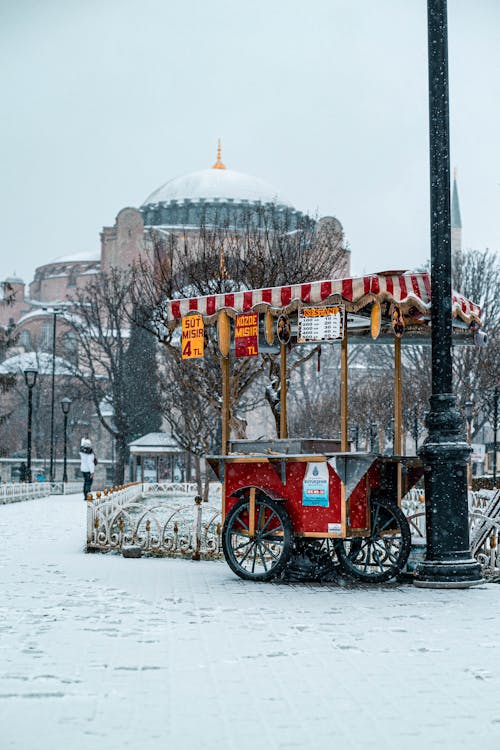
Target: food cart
287,497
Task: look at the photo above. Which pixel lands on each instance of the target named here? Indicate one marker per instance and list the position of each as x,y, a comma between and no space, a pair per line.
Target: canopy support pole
344,416
398,409
283,393
225,405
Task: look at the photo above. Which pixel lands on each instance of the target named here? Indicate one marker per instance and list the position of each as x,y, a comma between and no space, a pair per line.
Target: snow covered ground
98,651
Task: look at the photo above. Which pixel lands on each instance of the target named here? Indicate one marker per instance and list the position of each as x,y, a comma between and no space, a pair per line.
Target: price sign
246,335
193,337
321,323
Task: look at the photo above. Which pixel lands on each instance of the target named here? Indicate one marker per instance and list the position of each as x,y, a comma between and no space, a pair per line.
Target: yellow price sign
193,337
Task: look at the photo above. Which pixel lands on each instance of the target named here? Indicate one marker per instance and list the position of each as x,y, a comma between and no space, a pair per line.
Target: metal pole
448,562
30,414
51,466
398,399
344,395
415,428
495,434
65,472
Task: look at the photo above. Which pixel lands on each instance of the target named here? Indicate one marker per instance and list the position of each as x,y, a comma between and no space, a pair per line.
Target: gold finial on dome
218,164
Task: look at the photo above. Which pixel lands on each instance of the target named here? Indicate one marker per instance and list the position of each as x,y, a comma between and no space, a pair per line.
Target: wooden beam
251,513
283,393
225,414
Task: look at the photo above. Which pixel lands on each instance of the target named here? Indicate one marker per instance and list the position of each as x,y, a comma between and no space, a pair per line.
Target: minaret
218,164
456,221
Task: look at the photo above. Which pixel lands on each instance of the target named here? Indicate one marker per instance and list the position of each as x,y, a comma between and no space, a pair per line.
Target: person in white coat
88,463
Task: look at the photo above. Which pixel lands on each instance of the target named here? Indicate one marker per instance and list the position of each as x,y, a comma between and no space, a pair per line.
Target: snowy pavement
98,651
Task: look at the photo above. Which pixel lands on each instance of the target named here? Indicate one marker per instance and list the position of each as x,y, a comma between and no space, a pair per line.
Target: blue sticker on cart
315,485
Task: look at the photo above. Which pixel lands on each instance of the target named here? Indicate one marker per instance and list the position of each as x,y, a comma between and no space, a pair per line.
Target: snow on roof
221,184
155,442
43,311
87,255
41,361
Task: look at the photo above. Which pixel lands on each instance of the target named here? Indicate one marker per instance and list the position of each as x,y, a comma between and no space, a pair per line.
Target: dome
219,197
217,184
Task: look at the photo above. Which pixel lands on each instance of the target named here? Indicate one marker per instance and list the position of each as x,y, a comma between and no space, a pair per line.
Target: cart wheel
382,555
264,555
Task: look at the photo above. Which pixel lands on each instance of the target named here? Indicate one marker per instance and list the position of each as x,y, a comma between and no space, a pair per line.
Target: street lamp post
65,406
448,562
415,428
495,433
51,469
30,380
468,418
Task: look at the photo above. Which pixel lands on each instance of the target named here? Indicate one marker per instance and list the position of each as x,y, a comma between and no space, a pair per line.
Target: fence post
197,528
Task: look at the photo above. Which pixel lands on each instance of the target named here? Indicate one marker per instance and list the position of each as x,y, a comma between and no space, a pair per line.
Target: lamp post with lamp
448,562
30,375
65,406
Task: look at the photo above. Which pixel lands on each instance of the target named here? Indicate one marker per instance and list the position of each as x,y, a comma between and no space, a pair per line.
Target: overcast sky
105,100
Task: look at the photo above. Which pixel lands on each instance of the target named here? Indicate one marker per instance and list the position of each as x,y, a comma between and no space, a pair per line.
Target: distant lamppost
468,418
65,406
415,428
51,468
30,375
448,562
495,433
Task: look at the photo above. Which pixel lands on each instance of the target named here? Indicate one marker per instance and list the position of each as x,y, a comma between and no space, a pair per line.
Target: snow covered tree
141,383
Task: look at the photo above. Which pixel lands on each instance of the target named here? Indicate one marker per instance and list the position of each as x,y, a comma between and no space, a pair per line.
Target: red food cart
285,498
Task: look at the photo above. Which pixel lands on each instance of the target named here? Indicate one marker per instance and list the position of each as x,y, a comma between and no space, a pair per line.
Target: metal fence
484,525
131,517
175,526
15,492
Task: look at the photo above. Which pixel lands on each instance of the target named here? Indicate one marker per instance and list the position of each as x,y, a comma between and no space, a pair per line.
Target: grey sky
105,100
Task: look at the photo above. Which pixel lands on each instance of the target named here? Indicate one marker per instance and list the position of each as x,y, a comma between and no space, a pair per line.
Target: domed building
214,197
182,207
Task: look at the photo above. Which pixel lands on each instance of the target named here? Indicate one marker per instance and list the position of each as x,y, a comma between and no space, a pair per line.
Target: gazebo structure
155,457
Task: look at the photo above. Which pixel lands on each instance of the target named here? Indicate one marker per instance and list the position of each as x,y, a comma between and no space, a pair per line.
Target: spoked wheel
383,554
263,554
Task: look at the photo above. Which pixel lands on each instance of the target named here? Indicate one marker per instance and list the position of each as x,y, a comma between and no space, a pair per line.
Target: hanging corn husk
269,327
223,333
375,319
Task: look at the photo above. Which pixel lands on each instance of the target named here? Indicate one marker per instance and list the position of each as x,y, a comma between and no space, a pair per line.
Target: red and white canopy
410,290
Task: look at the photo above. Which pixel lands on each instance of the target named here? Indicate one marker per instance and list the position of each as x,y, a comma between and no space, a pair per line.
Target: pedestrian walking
23,473
88,462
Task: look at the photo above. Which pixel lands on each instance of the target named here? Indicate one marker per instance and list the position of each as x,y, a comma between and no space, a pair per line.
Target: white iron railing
15,492
484,525
173,526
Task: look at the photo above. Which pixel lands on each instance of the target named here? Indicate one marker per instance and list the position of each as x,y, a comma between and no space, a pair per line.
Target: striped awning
410,290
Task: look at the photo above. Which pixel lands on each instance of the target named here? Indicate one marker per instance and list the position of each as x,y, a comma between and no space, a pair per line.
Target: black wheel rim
257,556
383,554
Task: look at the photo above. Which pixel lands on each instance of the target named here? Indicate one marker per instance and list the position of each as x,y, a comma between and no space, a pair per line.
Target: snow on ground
98,651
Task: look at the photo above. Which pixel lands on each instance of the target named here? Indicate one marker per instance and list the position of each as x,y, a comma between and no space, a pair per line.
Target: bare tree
101,324
263,248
